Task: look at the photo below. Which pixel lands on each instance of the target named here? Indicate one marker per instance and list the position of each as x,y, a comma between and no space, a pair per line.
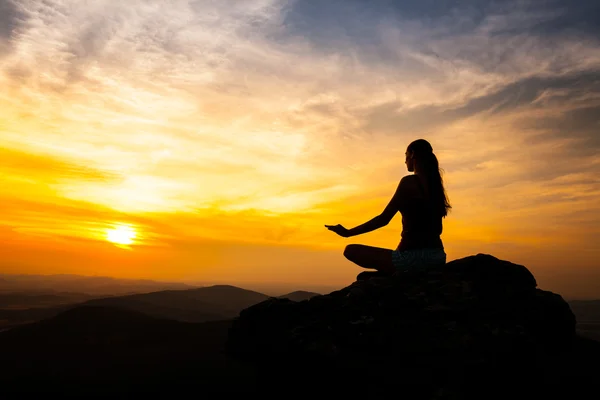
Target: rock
474,318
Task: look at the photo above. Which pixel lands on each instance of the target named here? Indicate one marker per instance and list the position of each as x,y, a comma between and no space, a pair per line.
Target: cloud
579,124
27,165
533,92
9,16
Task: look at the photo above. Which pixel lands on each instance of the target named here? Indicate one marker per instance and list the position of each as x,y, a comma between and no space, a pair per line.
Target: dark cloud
390,118
580,124
332,23
354,18
329,24
575,16
9,18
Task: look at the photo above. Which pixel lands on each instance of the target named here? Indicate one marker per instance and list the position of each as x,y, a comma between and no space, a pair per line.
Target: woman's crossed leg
365,256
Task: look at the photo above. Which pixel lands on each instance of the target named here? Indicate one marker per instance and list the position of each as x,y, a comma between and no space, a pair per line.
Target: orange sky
225,139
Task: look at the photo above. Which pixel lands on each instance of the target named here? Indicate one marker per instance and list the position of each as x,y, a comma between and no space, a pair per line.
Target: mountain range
210,303
92,345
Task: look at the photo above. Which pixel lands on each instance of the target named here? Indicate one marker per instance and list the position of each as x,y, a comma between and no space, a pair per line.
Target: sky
210,141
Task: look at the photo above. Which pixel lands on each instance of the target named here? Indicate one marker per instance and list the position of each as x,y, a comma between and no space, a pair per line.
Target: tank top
421,227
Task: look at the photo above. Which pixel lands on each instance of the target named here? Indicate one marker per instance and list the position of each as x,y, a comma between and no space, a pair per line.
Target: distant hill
78,325
210,303
299,295
11,318
91,285
194,305
19,300
94,327
21,308
90,350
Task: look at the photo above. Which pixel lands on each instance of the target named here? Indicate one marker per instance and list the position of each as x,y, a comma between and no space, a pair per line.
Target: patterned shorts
409,259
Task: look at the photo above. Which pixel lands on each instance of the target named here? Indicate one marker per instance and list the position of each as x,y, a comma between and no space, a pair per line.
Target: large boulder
478,318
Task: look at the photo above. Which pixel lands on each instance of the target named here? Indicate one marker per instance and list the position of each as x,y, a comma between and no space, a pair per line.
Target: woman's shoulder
410,181
412,185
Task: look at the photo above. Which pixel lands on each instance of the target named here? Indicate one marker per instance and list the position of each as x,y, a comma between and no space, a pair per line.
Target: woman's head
420,158
418,155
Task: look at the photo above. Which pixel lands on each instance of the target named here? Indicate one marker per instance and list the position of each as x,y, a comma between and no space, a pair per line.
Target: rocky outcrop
476,319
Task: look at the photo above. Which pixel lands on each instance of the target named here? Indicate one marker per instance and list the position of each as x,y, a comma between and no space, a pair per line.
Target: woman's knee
351,250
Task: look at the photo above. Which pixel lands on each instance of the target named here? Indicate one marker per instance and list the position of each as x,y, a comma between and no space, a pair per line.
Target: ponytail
428,162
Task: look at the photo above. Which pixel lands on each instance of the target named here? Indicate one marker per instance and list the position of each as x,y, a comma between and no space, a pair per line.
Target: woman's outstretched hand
339,229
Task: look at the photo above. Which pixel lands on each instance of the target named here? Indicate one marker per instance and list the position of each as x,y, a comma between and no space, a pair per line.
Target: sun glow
121,235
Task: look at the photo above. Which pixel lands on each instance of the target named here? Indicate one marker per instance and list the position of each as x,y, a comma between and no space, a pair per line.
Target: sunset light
121,235
223,135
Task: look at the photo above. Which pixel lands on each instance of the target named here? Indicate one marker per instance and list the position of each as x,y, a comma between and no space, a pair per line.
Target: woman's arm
375,223
386,216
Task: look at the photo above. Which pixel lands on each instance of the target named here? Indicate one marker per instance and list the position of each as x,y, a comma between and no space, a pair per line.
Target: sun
121,235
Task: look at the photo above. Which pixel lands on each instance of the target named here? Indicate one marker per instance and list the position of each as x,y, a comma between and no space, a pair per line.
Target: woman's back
421,223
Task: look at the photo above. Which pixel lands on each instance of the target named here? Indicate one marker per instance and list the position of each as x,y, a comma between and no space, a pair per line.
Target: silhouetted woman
422,201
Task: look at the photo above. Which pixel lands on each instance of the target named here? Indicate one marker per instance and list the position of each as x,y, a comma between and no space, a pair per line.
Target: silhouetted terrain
191,305
194,305
11,318
104,351
476,327
298,295
588,317
16,301
471,326
25,307
92,350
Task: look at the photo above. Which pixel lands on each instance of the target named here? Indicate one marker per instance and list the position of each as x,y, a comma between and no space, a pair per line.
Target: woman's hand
339,229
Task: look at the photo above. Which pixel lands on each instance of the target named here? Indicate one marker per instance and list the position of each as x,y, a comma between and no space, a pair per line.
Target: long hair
428,163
